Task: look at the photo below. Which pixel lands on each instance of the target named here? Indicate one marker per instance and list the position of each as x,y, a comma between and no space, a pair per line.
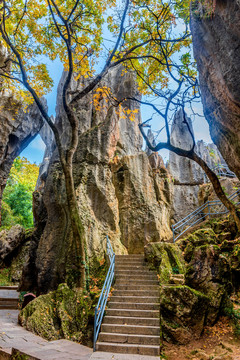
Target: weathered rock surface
188,175
19,260
183,312
144,200
212,256
18,127
209,272
166,258
10,240
119,193
63,313
207,193
216,44
208,259
14,250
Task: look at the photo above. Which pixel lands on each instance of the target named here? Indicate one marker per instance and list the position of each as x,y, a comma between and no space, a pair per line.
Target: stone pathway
13,336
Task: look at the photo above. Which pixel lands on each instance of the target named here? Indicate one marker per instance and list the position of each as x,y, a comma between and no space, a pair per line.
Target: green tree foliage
17,196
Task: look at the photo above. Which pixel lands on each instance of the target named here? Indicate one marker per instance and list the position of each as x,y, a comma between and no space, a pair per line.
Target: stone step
13,287
8,307
131,268
151,350
136,282
131,329
134,272
128,259
118,292
138,305
178,275
131,263
5,353
131,256
123,320
132,287
133,313
133,299
8,301
177,280
129,338
132,277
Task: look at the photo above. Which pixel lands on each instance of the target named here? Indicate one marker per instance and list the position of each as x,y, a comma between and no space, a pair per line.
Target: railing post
208,210
95,329
173,233
100,308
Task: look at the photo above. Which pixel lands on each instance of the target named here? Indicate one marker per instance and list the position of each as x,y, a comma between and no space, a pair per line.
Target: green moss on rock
198,238
63,313
166,258
183,313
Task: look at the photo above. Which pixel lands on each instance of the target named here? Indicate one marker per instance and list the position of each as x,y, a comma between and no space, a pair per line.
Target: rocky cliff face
18,127
216,43
187,174
16,132
120,192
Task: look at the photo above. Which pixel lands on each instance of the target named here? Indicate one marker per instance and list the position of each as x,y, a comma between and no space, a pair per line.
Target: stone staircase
131,324
177,279
8,298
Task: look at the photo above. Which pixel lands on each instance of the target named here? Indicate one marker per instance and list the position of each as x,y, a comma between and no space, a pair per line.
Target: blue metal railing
200,214
100,308
221,170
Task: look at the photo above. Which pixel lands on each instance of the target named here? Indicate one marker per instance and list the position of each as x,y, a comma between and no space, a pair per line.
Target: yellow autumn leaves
103,99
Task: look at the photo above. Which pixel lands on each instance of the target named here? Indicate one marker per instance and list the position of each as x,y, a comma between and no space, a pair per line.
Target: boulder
18,262
183,312
10,241
63,313
209,272
166,258
197,238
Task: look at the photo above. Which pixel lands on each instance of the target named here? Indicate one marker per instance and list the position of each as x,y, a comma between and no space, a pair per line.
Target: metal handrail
221,170
214,207
100,308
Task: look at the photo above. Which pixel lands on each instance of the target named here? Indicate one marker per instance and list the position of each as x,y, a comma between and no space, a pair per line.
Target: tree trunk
78,239
218,189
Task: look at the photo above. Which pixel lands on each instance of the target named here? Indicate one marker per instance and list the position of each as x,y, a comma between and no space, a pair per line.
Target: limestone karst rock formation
119,192
16,132
18,127
187,174
216,44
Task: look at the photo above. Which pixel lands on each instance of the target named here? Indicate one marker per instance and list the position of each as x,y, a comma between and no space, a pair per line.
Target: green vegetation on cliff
17,196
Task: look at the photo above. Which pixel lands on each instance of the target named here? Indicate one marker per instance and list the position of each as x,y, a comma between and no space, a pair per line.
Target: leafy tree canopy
34,30
17,196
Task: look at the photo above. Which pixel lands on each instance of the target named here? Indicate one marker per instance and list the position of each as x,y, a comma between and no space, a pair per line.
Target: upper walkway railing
210,208
100,308
221,170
